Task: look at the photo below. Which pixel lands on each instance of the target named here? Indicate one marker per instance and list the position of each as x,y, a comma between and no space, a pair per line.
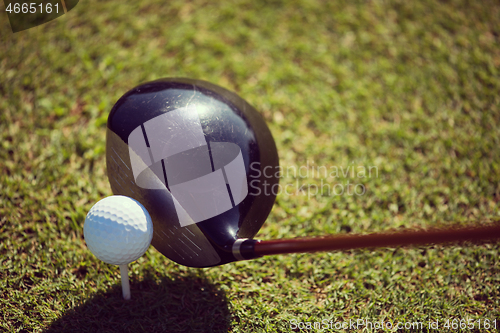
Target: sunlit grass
410,88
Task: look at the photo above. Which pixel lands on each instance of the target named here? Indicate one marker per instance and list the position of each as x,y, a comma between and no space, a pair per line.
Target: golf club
202,161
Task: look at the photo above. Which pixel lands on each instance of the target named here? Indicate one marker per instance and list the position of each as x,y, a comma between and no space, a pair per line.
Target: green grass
411,88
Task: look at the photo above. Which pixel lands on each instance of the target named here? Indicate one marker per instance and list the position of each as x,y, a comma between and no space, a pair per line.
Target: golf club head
201,160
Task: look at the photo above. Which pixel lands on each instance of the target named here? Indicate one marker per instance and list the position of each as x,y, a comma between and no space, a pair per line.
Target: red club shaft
349,242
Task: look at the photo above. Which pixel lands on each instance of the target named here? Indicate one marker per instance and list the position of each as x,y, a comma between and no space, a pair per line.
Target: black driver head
200,159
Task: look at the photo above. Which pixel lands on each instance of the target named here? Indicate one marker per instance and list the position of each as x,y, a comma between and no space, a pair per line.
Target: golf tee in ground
125,283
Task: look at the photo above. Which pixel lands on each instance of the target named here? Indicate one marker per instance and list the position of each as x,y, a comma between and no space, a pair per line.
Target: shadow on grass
174,304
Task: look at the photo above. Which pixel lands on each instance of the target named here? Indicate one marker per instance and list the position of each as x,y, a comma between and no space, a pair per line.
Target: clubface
200,159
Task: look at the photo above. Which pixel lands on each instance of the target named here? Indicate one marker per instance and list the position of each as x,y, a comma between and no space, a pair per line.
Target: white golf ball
118,230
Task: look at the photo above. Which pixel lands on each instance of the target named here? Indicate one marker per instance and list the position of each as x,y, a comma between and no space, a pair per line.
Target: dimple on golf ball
118,230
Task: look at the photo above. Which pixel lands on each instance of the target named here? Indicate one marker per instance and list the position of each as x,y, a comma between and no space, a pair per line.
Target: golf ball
118,230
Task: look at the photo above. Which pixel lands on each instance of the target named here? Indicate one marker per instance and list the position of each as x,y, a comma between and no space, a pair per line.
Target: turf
406,89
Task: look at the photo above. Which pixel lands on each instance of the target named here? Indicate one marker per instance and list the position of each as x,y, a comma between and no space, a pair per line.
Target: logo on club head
24,15
205,178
